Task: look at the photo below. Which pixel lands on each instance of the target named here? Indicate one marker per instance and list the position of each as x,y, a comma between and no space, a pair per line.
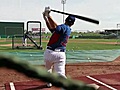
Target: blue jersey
60,37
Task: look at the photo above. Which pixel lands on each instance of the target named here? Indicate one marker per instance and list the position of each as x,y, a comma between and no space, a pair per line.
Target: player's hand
44,16
47,11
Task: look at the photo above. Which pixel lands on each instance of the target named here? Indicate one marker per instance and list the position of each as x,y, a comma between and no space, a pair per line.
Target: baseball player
25,38
54,55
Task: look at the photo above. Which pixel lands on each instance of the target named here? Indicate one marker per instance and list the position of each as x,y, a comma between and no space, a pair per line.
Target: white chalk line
12,86
101,83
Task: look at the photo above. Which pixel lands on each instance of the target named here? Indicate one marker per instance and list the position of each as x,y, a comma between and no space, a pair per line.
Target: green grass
73,44
91,44
88,44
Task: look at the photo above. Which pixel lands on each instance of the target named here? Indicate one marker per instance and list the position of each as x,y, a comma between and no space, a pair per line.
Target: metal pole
117,33
63,11
63,2
117,29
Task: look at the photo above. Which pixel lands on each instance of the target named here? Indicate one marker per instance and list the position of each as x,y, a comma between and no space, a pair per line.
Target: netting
36,58
34,27
13,31
18,42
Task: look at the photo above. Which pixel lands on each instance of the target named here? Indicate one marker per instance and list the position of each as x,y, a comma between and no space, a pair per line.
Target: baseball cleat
49,85
95,86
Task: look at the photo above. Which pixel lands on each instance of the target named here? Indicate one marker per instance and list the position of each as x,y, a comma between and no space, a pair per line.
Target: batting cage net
30,42
10,31
31,37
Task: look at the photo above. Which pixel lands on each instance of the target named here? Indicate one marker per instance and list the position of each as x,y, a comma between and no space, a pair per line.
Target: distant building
110,31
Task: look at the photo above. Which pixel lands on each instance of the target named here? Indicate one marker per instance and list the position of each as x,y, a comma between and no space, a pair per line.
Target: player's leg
48,66
24,40
59,65
48,63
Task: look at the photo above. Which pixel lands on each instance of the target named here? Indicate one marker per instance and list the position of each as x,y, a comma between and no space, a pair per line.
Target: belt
57,50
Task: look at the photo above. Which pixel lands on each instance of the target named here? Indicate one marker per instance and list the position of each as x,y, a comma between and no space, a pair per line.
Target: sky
106,11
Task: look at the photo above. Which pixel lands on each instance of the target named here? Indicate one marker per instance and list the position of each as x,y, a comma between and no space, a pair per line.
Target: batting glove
47,11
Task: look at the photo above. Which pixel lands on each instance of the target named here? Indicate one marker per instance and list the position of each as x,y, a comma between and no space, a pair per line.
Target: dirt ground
72,70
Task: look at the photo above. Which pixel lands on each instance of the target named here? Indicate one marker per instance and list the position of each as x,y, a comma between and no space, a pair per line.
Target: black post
40,47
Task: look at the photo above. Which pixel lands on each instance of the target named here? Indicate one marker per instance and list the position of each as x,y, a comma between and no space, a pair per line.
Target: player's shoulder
62,24
64,28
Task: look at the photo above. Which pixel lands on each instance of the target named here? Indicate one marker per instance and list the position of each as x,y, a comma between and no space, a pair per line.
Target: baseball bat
78,16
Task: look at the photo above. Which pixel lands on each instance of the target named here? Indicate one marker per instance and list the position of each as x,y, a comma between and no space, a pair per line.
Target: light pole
63,2
117,33
117,29
20,3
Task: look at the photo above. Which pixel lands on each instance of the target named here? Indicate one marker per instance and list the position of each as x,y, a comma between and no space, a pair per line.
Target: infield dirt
72,70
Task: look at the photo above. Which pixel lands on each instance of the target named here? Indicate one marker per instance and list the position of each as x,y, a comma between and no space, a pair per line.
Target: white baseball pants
55,60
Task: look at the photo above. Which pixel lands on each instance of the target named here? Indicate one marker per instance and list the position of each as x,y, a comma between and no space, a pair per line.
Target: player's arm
46,21
52,23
